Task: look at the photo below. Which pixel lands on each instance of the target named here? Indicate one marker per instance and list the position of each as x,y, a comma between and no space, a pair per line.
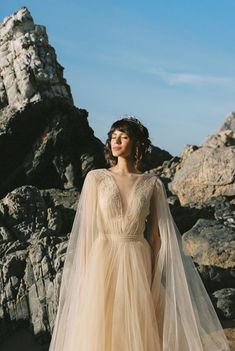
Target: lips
116,148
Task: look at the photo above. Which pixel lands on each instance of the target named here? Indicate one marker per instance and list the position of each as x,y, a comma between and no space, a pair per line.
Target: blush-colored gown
119,292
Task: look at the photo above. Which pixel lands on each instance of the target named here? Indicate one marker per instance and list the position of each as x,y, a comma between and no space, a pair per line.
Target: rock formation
209,171
212,247
47,141
34,229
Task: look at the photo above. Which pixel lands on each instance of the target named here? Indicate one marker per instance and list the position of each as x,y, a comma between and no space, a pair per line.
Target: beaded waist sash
121,237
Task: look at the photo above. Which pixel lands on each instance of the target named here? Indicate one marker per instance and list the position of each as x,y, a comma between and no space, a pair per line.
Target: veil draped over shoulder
188,320
186,317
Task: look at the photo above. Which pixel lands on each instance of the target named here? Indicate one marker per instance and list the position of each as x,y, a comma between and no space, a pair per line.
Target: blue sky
169,63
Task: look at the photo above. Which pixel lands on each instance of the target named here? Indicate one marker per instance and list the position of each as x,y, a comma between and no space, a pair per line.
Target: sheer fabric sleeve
80,242
153,229
186,318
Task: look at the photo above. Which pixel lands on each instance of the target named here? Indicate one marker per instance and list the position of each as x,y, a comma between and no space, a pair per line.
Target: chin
116,153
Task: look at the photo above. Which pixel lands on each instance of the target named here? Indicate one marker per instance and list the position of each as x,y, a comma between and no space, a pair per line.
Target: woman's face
121,144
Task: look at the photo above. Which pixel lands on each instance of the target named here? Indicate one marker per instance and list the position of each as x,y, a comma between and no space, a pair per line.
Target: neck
125,165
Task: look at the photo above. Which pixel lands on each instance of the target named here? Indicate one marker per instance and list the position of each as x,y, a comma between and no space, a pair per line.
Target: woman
127,284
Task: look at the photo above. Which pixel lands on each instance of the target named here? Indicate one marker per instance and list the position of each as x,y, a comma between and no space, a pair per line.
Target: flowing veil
186,317
82,236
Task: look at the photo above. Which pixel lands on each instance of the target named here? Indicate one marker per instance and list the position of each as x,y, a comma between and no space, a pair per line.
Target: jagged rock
187,216
208,171
56,197
186,152
222,138
215,278
5,235
225,301
29,71
223,210
47,142
229,122
25,212
155,158
211,243
225,134
167,169
32,257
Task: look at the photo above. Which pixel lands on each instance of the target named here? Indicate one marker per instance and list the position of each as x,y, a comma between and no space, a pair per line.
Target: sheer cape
186,319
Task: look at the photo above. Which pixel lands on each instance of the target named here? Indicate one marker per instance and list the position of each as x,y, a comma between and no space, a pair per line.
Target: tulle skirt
115,311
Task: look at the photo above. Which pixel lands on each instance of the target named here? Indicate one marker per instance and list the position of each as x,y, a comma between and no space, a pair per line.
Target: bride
127,284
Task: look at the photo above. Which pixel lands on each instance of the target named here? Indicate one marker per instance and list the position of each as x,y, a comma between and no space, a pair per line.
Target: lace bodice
114,220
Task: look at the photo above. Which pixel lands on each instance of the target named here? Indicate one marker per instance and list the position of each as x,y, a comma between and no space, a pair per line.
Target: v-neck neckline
134,187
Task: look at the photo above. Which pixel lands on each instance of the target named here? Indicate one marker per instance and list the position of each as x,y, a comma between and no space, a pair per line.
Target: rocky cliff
47,141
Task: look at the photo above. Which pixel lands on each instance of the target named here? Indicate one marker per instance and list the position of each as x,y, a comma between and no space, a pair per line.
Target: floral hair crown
134,120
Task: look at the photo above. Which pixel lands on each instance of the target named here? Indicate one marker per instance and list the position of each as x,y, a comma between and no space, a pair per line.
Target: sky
169,63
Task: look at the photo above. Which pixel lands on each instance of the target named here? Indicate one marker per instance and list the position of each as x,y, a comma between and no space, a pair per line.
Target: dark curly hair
138,133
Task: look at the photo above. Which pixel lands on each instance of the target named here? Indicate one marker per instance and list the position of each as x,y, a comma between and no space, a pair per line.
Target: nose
117,140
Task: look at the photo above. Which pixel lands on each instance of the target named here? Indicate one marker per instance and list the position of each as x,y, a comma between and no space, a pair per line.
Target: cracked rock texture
47,141
209,170
32,256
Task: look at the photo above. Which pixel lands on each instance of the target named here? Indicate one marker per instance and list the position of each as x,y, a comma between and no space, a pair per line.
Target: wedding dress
118,293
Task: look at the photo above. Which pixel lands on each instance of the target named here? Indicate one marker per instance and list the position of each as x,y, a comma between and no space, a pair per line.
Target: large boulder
209,170
211,244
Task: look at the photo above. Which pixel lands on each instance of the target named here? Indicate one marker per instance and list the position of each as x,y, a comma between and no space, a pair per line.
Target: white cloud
172,78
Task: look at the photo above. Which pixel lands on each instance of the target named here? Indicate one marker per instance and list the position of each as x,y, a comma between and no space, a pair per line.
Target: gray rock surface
211,243
224,135
32,257
228,123
206,173
29,69
225,303
41,131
